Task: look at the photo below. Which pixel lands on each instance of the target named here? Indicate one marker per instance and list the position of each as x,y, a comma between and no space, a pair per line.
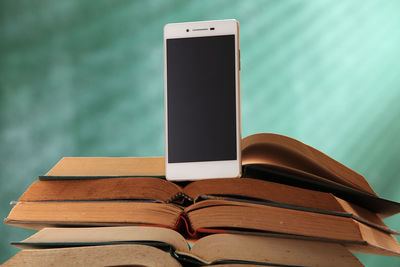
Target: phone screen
201,99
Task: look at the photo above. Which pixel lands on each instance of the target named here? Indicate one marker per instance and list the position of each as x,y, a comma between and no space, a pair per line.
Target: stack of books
294,206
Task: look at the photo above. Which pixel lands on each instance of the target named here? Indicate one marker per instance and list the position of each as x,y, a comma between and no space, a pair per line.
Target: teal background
85,78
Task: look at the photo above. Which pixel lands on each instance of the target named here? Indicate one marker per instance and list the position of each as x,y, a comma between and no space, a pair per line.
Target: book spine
184,226
181,199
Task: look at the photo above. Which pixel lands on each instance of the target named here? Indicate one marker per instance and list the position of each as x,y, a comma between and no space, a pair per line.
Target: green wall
85,78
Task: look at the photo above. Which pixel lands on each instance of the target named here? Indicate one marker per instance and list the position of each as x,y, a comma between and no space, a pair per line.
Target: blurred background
85,78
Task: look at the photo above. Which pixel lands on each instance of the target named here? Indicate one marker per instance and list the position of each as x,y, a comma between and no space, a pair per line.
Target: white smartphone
202,100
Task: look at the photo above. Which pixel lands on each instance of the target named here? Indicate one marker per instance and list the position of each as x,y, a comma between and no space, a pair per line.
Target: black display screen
201,99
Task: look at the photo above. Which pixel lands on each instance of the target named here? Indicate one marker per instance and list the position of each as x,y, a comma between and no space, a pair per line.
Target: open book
228,205
165,247
265,156
123,191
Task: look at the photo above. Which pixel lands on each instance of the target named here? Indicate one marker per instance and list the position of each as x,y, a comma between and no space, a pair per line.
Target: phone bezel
186,171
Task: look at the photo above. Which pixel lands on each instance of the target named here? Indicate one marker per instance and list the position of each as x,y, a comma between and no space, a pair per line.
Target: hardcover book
289,192
161,247
228,205
265,156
